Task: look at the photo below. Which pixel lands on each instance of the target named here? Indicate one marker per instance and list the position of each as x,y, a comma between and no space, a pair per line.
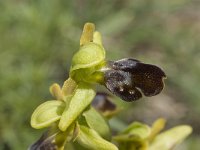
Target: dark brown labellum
120,83
129,78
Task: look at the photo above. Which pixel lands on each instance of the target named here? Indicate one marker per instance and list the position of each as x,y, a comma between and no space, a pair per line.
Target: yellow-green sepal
81,99
134,135
47,113
97,122
90,139
86,61
170,138
89,55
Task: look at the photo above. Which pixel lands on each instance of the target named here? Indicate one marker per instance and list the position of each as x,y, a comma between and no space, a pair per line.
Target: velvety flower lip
129,78
120,84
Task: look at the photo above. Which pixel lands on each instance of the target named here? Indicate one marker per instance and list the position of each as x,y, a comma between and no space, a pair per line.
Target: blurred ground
38,39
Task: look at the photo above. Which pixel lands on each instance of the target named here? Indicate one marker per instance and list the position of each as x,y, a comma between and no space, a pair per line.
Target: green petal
56,91
170,138
47,113
87,34
82,98
92,140
157,126
97,38
68,87
89,55
96,121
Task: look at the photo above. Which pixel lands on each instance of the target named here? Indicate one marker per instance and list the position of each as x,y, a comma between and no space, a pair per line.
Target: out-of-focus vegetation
38,38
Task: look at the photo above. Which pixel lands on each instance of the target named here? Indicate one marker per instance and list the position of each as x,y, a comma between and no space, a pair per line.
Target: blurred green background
38,39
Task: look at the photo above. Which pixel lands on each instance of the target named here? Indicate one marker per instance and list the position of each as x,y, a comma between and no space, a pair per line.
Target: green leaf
47,113
96,121
170,138
92,140
81,99
89,55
